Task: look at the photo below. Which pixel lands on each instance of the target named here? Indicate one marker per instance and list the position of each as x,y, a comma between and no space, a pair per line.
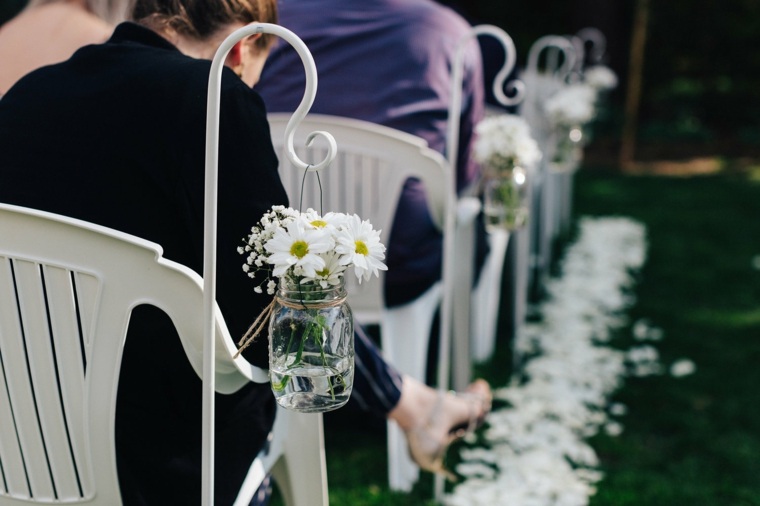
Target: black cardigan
116,136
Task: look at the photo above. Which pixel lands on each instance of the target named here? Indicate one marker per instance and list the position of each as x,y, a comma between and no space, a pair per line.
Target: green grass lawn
694,440
687,441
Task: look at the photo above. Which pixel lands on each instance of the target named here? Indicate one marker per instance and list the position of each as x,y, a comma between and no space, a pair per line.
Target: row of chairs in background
558,105
366,178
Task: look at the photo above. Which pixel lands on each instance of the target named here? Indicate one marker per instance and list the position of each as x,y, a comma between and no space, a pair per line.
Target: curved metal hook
597,40
563,45
580,55
310,92
510,60
580,51
516,86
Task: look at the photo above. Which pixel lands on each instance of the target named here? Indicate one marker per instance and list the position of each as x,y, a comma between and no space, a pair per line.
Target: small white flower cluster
600,77
505,140
573,106
309,248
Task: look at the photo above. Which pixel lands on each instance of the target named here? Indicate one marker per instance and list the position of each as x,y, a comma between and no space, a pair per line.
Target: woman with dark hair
115,136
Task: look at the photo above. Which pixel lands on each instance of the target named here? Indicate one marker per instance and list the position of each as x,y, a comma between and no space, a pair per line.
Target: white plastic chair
366,178
66,292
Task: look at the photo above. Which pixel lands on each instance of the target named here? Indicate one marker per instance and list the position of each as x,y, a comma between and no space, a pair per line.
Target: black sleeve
249,185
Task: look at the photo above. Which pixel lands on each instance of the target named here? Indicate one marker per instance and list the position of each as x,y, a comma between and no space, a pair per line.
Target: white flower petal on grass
613,429
618,409
537,443
644,331
298,246
682,367
359,244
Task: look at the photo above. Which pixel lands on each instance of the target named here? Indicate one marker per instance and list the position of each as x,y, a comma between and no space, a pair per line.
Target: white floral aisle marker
600,77
508,153
311,352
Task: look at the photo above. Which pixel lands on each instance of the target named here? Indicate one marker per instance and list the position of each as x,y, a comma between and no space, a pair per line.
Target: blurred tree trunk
633,92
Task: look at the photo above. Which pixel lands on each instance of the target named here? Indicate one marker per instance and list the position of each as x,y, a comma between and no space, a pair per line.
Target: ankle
415,406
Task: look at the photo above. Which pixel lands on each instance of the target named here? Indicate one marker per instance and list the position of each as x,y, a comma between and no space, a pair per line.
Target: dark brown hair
201,18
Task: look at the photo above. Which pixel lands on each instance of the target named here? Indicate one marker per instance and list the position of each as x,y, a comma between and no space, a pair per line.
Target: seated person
131,157
389,63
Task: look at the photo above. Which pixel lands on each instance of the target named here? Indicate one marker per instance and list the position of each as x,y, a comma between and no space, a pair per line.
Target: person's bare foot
432,419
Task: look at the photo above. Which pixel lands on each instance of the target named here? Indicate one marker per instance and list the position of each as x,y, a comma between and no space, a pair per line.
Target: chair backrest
365,178
66,292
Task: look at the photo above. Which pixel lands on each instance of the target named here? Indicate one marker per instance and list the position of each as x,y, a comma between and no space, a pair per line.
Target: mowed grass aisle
693,440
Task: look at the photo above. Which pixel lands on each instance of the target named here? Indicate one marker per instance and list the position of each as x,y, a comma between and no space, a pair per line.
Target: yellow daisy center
362,248
299,249
319,224
324,272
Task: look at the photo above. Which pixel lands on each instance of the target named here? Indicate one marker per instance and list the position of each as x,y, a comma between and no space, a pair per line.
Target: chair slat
32,466
11,459
49,467
71,374
87,291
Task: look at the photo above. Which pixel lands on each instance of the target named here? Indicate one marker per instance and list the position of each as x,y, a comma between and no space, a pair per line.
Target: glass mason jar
569,149
311,347
505,198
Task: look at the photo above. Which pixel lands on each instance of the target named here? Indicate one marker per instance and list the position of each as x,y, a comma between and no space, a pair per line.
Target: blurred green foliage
701,77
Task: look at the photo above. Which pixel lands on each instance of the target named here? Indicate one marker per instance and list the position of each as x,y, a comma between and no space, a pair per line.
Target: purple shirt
388,62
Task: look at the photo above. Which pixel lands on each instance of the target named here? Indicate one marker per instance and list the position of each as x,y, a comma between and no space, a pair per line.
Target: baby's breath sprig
310,249
253,246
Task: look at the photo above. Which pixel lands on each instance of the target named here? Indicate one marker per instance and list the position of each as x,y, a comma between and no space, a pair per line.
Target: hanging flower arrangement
302,258
507,151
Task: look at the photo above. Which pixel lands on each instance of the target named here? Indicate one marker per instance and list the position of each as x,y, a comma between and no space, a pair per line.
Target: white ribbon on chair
210,207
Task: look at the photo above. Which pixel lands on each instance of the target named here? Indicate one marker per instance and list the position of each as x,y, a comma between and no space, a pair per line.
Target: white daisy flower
332,272
331,221
298,247
360,245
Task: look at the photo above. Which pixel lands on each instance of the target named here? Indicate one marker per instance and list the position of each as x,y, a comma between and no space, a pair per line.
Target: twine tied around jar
263,319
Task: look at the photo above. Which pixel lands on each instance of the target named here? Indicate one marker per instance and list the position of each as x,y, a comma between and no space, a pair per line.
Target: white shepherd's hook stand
471,207
210,208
